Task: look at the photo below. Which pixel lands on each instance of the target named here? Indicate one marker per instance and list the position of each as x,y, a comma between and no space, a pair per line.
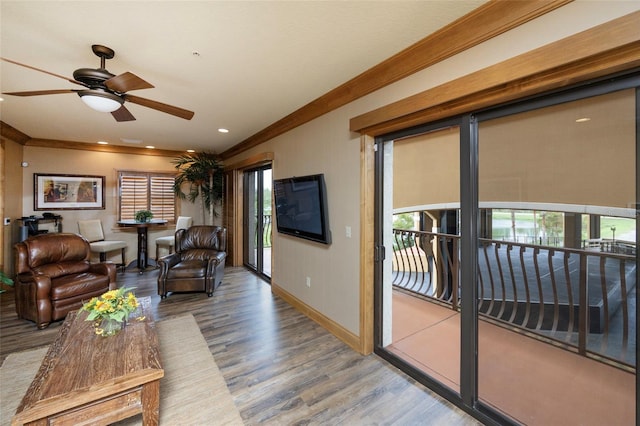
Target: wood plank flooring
281,367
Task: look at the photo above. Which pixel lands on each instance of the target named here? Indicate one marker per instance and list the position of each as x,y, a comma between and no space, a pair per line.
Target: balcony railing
583,300
267,229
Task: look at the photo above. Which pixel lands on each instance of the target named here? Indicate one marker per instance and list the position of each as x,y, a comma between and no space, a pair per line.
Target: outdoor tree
551,224
403,221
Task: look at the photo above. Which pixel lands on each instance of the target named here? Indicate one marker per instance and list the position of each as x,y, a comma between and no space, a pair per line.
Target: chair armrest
36,308
170,260
104,268
221,256
167,262
212,263
41,282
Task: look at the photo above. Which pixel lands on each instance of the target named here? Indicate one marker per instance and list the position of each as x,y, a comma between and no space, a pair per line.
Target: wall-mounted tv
301,207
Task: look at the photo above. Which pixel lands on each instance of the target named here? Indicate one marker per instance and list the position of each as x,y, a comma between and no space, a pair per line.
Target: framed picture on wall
68,192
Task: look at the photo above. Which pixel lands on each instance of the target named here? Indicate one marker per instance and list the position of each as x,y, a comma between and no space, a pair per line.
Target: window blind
147,191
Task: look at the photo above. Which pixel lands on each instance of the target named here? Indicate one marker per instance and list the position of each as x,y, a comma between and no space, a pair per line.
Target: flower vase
107,327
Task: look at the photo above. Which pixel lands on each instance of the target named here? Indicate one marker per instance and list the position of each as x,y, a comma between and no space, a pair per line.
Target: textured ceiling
257,61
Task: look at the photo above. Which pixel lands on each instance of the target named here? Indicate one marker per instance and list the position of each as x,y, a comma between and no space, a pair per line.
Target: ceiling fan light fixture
101,101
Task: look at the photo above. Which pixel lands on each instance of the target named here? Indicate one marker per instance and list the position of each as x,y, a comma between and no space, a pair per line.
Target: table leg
142,248
151,403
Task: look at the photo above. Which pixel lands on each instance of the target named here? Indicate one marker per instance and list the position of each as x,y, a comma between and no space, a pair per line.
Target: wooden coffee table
89,379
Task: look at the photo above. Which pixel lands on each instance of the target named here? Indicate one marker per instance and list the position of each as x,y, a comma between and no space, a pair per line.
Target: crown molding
11,133
115,149
606,49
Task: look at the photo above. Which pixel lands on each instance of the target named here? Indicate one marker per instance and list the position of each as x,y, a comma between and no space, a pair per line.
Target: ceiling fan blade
70,80
126,81
169,109
41,92
123,114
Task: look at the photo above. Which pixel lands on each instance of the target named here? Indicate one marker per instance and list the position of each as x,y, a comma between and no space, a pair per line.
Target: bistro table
142,262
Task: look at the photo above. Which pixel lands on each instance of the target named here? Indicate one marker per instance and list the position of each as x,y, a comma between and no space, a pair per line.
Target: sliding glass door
420,227
550,177
258,220
518,226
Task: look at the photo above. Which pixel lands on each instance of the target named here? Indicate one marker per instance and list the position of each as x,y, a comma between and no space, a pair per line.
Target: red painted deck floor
533,382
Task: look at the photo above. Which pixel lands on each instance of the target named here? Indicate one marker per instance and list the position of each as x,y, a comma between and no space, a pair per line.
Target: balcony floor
532,381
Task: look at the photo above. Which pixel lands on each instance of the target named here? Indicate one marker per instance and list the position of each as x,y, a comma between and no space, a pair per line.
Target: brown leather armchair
198,262
54,277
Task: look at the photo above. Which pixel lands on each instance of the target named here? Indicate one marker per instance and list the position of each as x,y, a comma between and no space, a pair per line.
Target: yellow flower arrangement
114,306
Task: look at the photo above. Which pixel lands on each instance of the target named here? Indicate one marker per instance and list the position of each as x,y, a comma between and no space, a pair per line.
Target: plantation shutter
162,199
133,195
147,191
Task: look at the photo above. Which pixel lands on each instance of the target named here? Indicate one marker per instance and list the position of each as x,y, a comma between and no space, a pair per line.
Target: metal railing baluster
428,264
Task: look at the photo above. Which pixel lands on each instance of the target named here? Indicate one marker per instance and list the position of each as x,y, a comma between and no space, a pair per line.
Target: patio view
582,299
530,209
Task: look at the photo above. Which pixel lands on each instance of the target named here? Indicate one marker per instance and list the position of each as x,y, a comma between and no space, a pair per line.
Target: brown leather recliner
54,277
198,262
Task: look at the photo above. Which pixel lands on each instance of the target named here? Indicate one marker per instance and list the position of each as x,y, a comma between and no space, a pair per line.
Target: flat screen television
301,207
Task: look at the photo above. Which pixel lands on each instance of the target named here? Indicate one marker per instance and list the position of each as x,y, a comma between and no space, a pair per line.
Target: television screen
301,207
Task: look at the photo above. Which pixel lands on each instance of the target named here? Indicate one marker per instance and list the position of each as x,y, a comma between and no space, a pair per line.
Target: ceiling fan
104,91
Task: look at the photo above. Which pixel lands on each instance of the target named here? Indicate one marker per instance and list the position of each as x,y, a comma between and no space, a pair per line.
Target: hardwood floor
280,367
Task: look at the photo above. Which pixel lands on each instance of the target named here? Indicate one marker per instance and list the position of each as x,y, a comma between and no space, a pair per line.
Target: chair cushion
77,284
47,249
166,241
193,268
105,246
55,270
201,254
199,237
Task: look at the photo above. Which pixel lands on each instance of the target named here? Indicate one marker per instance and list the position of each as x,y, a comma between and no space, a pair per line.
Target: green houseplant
143,216
202,172
4,279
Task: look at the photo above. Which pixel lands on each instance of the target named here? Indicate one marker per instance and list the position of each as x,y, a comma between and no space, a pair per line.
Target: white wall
326,145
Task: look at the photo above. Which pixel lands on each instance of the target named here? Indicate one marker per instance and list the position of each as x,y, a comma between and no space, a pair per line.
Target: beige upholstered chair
92,231
169,242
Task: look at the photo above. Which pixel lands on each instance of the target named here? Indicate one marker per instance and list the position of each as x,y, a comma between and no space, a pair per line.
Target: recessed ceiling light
221,130
191,150
103,143
583,120
150,146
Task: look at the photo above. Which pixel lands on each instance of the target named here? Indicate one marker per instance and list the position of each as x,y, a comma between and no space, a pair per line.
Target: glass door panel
420,278
258,220
557,262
